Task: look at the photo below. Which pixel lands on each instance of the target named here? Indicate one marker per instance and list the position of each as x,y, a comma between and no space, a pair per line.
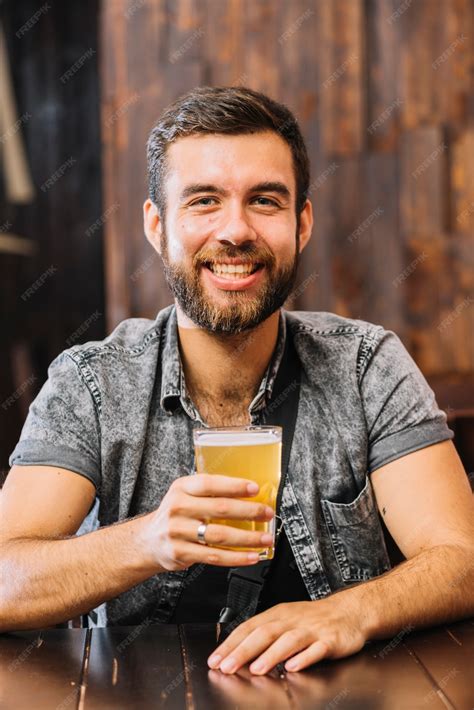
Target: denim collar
173,386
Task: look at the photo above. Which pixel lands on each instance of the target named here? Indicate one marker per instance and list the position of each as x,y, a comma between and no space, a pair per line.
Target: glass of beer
252,452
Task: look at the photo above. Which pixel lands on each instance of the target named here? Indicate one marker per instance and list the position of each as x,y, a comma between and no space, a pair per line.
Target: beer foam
237,439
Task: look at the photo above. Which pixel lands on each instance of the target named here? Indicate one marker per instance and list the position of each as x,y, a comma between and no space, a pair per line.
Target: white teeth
231,269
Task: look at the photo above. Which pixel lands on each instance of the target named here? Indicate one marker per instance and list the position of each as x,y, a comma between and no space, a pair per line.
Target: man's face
230,205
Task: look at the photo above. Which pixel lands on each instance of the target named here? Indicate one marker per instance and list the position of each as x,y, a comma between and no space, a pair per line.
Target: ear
152,224
306,224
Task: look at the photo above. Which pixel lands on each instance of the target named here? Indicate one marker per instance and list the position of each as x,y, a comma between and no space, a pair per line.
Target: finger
242,631
223,509
257,642
206,484
312,654
186,529
190,553
286,645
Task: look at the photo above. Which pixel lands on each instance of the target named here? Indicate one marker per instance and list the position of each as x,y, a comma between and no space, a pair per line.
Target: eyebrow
269,186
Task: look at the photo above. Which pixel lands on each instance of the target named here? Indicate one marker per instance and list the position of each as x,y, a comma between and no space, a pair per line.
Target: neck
225,367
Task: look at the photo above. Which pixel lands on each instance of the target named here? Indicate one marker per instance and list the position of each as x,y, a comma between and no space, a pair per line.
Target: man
228,213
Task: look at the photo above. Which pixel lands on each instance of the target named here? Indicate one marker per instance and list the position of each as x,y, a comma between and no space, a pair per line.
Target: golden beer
252,452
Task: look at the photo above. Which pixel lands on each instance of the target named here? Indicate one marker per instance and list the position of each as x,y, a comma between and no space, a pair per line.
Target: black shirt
205,588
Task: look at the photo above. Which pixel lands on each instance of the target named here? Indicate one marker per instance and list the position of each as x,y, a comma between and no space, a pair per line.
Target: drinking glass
252,452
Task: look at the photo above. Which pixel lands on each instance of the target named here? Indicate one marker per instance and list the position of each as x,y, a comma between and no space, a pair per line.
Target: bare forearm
431,588
44,582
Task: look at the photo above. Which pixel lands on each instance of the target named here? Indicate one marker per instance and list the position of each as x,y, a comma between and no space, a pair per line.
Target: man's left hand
300,633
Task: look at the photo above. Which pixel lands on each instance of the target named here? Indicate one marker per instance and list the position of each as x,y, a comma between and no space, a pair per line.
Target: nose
236,228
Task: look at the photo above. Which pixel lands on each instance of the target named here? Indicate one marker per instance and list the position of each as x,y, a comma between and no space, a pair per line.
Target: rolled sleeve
62,427
401,411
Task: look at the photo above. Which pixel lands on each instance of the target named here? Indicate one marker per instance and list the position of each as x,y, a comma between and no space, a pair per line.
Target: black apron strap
246,583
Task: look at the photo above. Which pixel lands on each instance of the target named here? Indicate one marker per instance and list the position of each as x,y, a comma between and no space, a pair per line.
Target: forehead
232,161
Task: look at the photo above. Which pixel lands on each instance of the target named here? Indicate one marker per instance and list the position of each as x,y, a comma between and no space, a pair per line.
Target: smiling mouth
231,272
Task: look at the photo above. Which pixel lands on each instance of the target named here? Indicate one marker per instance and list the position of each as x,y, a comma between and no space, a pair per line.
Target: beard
236,311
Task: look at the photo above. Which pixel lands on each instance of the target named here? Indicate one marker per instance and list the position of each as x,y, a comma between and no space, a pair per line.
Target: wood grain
446,652
165,666
41,669
135,667
384,93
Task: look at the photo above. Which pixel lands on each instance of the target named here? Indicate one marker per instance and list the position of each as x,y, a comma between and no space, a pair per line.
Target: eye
268,201
202,201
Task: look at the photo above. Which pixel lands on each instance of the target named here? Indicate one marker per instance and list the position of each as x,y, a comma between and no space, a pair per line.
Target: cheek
176,248
190,236
184,240
282,242
278,231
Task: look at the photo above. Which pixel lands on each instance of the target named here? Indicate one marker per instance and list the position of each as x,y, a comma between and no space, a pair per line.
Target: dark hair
230,110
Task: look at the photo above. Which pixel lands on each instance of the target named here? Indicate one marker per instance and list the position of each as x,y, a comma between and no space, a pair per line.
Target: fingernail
214,661
266,539
228,665
269,512
256,667
253,556
290,665
253,488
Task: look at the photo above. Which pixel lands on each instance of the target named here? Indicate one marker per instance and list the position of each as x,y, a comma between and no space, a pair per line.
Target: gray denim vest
117,412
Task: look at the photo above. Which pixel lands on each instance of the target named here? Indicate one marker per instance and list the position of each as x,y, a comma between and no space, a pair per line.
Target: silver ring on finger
201,531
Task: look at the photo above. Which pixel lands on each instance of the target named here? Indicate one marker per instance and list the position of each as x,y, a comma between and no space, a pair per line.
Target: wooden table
165,667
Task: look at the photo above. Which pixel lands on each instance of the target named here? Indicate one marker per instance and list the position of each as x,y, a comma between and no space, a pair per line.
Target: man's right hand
192,500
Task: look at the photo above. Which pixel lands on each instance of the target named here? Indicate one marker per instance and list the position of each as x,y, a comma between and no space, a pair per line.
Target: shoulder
119,366
323,323
133,337
336,340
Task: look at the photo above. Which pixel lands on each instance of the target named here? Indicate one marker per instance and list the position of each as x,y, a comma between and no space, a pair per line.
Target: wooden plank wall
384,92
61,136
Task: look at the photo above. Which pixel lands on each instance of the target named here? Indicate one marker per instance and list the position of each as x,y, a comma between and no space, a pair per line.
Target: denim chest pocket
356,536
